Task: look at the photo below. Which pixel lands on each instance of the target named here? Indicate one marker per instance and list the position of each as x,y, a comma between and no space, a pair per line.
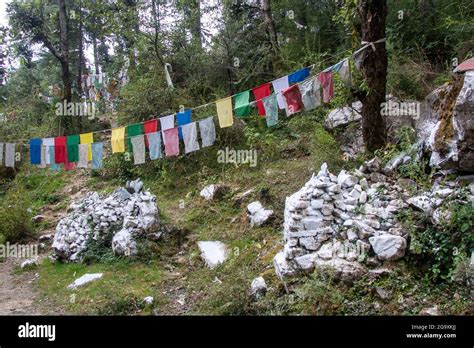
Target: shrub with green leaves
442,249
15,220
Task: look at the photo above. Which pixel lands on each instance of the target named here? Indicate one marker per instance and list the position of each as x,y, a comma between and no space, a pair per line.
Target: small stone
213,252
258,288
363,197
29,263
433,311
148,300
86,278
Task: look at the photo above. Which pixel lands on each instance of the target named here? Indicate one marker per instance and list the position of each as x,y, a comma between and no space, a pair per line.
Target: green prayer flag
133,130
72,144
242,105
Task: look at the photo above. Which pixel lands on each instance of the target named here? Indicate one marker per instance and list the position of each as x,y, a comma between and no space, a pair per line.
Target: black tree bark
373,14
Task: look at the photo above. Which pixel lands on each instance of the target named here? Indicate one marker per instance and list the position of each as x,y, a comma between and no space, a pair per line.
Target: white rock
28,263
213,252
258,288
388,247
363,197
123,243
282,267
86,278
148,300
421,202
257,214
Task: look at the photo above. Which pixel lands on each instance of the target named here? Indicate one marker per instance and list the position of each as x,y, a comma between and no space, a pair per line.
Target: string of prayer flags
224,112
138,145
207,131
298,76
150,126
97,150
242,104
88,138
259,93
325,78
60,150
132,131
190,137
154,144
118,140
310,100
271,109
183,118
10,155
171,140
293,100
279,85
1,153
83,155
49,144
167,122
72,144
35,151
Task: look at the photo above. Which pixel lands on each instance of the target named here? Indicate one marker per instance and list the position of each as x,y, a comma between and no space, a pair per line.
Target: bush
442,249
15,220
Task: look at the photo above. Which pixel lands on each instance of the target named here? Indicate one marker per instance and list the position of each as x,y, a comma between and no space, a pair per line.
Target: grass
286,160
121,279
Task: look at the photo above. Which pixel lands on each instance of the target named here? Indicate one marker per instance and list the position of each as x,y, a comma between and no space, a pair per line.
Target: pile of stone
126,213
348,222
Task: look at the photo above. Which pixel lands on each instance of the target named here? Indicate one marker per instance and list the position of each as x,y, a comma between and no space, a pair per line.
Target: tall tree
32,22
270,25
373,14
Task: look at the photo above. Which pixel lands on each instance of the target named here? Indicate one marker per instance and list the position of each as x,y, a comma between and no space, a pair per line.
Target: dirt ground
17,295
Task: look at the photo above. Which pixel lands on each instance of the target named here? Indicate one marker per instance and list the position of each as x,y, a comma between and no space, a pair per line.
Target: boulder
213,252
388,247
343,116
123,243
446,124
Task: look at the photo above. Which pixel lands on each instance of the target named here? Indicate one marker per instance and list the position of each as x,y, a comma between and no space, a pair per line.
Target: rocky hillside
317,227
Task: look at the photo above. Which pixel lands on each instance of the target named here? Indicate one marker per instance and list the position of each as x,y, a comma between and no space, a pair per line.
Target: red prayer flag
293,99
259,93
60,154
150,127
325,78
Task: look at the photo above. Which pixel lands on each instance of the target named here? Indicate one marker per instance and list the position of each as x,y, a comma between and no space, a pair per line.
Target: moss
446,128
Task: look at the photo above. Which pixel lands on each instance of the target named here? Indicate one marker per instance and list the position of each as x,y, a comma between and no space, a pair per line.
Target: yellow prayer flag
224,112
118,143
88,138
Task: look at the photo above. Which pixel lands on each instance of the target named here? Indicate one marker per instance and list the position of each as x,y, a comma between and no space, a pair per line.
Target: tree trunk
270,24
373,15
96,54
63,32
196,30
80,63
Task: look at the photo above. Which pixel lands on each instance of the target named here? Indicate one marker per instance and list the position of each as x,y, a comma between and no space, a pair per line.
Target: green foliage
123,306
442,249
15,221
